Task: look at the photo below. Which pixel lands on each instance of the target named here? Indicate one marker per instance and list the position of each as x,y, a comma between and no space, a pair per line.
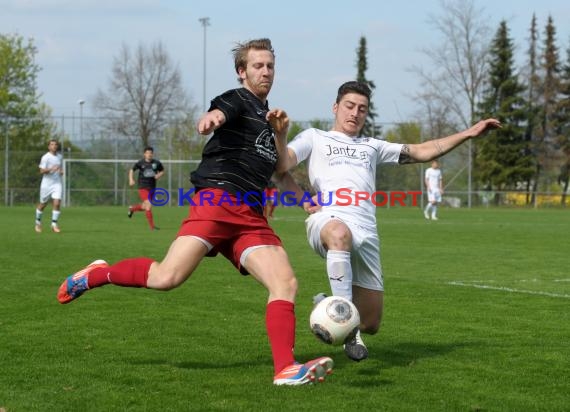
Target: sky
315,45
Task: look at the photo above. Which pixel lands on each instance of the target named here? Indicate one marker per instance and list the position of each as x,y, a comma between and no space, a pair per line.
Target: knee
338,238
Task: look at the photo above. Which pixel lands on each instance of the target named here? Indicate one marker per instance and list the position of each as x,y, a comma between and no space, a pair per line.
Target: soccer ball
334,320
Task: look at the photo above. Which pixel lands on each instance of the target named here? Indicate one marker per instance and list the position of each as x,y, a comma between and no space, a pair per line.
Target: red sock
148,214
129,273
137,208
280,324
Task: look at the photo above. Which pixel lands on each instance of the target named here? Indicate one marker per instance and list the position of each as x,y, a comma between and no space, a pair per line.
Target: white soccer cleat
355,349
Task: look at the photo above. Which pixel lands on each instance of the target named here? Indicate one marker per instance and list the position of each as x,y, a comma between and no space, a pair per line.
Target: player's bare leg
270,266
184,255
370,305
337,238
182,258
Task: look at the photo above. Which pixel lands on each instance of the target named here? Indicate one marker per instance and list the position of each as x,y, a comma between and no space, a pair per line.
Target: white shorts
365,253
434,196
53,190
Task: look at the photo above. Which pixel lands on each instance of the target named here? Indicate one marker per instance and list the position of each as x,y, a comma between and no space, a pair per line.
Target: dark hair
56,142
353,87
241,49
149,148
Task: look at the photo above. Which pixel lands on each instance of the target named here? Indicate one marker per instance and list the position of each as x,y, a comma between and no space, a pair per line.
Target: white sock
339,272
433,211
38,216
428,207
54,216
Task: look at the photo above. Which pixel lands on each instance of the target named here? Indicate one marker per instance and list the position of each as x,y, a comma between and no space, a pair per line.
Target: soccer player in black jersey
226,213
150,170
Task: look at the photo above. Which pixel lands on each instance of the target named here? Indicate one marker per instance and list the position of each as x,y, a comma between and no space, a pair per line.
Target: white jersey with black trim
343,169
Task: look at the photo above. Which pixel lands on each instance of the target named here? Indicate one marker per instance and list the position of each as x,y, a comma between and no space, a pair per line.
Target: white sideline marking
562,280
511,290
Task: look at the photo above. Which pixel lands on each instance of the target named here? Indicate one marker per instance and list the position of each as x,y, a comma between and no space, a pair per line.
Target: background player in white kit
347,236
434,186
51,186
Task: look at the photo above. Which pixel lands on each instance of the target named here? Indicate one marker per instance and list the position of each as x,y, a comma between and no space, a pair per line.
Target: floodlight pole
205,23
81,102
469,173
6,161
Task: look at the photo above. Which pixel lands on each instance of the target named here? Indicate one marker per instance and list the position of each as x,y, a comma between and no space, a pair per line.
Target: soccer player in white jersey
345,232
51,186
434,187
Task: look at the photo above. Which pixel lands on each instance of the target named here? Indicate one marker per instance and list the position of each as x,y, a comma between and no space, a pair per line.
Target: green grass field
477,318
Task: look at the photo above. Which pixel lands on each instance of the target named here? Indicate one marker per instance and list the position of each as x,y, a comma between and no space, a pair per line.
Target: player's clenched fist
211,121
279,120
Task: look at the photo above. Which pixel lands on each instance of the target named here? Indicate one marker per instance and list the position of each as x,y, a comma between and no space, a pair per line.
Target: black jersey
240,157
147,172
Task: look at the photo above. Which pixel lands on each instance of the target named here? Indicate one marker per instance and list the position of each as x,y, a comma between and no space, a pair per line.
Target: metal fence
97,163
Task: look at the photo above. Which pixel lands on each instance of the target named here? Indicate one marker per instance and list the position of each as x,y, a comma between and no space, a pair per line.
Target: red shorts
144,193
270,192
230,228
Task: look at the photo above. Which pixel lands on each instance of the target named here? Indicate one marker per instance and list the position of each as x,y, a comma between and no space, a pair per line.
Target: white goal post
105,181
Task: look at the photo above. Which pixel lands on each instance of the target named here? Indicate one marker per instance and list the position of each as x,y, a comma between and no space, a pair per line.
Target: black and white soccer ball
334,320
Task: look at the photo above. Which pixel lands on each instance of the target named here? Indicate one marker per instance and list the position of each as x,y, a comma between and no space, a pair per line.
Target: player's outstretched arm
432,149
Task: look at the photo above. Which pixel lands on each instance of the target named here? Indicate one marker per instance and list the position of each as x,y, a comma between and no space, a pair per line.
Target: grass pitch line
510,290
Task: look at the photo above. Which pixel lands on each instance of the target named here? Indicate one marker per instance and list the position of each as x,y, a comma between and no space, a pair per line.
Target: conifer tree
370,128
564,126
533,87
547,124
504,161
